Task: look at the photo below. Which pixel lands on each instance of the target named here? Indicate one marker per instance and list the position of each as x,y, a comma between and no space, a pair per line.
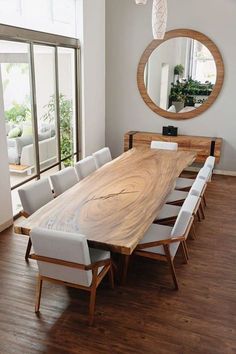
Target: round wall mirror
181,76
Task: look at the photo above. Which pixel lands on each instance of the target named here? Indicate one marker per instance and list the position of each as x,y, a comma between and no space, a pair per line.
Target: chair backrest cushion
35,195
102,156
179,229
210,162
204,173
62,246
190,203
63,180
197,187
85,167
164,145
181,223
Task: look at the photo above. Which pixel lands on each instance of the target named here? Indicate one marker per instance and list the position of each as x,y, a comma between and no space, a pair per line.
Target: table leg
124,268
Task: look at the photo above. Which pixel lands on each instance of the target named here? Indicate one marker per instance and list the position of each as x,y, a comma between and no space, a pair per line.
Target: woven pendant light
159,18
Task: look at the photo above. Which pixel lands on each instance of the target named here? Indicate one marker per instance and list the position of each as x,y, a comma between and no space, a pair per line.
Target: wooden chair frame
166,244
96,279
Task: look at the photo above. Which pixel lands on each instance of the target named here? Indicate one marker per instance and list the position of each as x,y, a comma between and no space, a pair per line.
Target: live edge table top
114,206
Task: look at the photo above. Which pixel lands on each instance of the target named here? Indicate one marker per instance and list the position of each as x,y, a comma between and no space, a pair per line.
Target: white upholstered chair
198,189
169,212
63,180
178,196
186,183
161,242
102,156
65,258
164,145
33,197
85,167
204,173
210,162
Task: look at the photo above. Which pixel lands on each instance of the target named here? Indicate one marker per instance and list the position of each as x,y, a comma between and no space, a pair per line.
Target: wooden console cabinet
204,146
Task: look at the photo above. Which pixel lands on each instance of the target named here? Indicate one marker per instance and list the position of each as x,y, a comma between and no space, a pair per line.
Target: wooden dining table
115,205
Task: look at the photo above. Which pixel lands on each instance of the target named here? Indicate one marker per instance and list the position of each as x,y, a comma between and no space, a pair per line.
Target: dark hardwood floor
146,315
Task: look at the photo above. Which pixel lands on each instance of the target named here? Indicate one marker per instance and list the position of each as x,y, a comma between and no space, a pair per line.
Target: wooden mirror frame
219,69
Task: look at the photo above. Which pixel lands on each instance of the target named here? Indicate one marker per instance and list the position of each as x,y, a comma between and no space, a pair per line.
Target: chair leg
202,210
28,249
184,253
193,232
199,216
111,276
186,249
38,293
172,267
204,200
92,305
125,265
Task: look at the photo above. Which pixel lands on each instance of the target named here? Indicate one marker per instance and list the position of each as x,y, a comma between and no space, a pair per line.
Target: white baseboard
223,172
215,172
6,225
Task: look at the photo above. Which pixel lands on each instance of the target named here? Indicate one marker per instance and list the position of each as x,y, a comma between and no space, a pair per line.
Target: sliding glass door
40,98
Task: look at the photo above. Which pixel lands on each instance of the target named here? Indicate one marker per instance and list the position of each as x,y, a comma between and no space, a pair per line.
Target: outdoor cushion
27,130
14,133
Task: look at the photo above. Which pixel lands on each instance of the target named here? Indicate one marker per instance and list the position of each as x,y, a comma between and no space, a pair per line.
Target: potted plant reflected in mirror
177,97
178,72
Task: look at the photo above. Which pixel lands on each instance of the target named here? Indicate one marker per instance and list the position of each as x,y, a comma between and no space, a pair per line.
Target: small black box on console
170,130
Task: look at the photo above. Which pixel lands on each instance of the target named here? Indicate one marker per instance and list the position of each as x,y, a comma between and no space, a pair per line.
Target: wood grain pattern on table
115,205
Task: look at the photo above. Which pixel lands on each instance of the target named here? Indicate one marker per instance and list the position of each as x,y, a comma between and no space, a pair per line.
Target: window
203,66
40,98
54,16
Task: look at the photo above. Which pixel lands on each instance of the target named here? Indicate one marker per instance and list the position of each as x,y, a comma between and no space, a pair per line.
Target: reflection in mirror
180,75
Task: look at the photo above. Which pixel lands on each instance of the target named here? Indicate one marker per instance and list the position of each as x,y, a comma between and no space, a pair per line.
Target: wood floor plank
145,316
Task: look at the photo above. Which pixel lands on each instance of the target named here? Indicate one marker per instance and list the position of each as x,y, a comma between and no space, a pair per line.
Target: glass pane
54,16
66,76
15,80
44,61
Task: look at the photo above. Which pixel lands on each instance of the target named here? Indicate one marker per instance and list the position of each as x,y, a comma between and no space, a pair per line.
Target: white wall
91,31
128,32
5,199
